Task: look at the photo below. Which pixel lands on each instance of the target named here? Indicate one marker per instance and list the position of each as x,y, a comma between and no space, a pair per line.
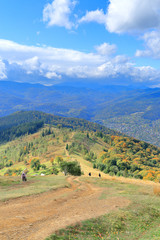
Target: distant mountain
137,116
59,99
136,112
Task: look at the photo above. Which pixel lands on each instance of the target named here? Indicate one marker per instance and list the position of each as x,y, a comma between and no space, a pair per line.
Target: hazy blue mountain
135,112
60,99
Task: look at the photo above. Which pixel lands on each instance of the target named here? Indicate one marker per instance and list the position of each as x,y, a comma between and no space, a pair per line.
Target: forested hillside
27,122
60,144
137,116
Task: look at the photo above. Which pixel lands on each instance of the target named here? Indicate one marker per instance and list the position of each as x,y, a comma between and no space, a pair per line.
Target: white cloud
133,15
147,72
119,65
152,45
127,15
48,63
58,13
2,70
94,16
31,64
52,75
106,49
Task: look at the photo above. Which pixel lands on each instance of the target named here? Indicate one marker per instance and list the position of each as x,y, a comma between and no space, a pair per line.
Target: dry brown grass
156,190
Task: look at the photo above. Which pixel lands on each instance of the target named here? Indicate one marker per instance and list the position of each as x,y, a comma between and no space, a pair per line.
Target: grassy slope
122,150
138,221
12,187
44,148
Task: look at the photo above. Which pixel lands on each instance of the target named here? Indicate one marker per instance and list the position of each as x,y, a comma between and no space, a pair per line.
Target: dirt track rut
38,216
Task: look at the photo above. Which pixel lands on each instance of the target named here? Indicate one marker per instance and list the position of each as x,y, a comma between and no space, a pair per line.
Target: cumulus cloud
135,15
119,65
48,61
48,64
31,64
152,45
58,13
106,49
145,72
127,15
94,16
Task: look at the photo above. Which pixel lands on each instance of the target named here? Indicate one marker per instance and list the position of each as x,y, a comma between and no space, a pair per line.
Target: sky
100,40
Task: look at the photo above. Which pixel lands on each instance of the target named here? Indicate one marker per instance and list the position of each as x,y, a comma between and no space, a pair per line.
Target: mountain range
133,111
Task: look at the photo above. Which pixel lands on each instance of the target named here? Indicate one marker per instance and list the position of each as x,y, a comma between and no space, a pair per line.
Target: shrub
101,166
114,169
58,159
72,168
94,165
43,166
35,164
138,176
111,173
54,170
11,172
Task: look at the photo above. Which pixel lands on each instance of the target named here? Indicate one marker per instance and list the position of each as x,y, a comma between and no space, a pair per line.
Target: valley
134,112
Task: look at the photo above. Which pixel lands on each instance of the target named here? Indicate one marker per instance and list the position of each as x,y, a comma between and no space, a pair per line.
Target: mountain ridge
113,106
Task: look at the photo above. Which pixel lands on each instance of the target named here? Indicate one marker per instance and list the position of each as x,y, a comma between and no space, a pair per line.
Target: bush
111,173
72,168
54,170
101,166
43,166
10,172
114,169
58,159
94,165
120,173
35,164
138,176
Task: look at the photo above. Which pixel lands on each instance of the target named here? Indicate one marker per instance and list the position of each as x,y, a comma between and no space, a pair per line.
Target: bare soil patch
38,216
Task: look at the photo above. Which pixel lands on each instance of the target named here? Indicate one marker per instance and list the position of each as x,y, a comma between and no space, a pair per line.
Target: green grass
6,182
140,220
13,187
141,223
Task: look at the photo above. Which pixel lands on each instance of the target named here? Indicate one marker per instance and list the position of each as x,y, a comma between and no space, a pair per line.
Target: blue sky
81,39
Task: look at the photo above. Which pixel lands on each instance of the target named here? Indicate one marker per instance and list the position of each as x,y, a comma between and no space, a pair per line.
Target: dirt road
38,216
